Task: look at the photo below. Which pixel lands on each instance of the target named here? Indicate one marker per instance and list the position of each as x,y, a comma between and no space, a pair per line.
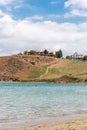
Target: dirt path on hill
49,67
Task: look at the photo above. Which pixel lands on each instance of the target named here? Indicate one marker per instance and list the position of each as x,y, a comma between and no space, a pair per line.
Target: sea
23,104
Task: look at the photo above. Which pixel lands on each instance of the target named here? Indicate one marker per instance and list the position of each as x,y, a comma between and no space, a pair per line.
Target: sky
43,24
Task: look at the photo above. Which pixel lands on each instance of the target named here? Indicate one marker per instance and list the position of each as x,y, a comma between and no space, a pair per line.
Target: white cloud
9,5
1,13
35,17
76,12
77,8
76,4
5,2
18,35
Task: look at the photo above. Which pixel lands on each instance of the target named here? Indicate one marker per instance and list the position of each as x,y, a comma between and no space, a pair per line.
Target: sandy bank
78,124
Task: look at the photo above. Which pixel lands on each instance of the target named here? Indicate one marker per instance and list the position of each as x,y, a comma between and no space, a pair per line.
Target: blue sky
33,7
43,24
54,10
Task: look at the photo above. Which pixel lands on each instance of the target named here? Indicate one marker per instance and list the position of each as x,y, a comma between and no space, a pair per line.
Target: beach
76,124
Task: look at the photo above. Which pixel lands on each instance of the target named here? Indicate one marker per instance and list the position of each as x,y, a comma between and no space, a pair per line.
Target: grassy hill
42,68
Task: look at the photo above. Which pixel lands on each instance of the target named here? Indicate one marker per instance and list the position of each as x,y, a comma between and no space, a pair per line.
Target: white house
77,56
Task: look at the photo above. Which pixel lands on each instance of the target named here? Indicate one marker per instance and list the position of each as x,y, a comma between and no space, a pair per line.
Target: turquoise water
31,103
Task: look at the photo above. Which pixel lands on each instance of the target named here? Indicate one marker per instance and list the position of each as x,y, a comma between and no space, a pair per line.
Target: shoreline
43,82
45,124
71,124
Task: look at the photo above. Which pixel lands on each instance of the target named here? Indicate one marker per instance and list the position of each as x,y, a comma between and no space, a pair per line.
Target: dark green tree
85,57
69,57
32,52
45,52
58,54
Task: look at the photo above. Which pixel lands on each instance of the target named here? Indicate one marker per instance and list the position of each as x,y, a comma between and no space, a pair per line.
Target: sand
78,124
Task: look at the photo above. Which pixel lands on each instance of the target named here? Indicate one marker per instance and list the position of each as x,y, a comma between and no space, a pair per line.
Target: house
39,52
26,52
77,56
50,53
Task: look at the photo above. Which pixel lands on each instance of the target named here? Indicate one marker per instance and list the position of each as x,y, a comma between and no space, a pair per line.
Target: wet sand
78,124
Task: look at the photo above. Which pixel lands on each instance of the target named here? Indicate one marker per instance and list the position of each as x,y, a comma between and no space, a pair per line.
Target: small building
39,52
77,56
26,52
50,53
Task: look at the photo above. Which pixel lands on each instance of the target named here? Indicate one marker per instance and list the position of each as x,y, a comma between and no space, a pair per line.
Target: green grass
63,79
36,72
25,129
53,71
69,79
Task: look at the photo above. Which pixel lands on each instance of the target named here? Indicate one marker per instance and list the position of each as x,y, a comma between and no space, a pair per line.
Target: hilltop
27,68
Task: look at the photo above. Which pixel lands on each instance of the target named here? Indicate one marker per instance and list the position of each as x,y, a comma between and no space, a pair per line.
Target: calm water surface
30,103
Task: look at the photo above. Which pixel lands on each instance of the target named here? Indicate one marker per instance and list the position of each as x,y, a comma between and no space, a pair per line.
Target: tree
58,54
69,57
45,52
85,57
32,52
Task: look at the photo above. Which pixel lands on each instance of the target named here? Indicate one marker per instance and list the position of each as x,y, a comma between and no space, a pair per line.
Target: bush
33,63
32,52
69,57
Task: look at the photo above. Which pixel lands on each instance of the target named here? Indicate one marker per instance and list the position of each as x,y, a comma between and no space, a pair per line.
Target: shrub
32,52
33,63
